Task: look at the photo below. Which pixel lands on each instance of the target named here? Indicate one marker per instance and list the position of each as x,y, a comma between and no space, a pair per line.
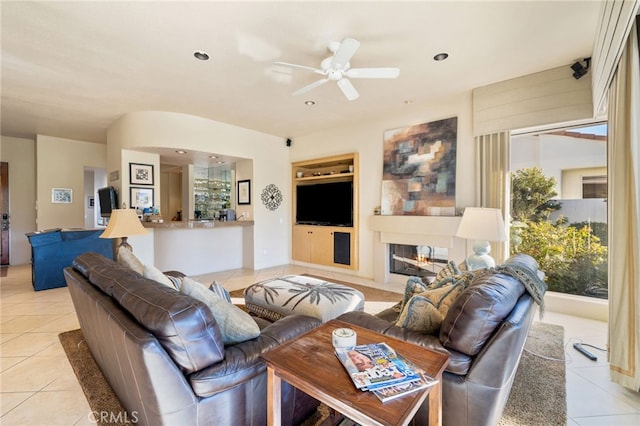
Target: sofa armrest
459,363
176,274
242,361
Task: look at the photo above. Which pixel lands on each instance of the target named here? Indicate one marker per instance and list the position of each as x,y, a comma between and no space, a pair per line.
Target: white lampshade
123,223
482,225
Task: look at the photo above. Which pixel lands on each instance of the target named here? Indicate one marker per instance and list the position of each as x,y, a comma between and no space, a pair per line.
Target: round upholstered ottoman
299,294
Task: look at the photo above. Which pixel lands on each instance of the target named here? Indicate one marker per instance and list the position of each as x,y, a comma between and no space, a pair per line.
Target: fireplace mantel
436,231
416,230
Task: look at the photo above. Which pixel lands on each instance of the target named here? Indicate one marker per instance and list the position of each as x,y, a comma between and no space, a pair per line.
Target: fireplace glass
419,261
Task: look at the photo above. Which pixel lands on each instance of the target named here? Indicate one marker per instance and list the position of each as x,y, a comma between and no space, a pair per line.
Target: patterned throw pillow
425,312
218,289
177,282
235,325
450,270
414,286
125,257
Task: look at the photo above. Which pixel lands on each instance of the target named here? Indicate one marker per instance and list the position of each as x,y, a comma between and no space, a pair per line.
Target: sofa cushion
235,324
476,313
184,326
424,312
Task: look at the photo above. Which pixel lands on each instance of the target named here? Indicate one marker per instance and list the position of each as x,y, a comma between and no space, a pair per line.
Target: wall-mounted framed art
244,191
62,195
140,174
141,197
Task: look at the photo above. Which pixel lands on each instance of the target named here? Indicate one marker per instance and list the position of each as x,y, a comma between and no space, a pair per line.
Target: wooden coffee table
309,363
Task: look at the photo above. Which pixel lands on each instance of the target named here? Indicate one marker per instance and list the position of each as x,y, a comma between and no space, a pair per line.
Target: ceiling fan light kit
338,68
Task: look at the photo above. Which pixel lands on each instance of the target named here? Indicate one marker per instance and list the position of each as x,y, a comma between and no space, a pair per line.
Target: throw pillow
414,286
218,289
425,312
235,325
156,274
175,281
450,270
125,257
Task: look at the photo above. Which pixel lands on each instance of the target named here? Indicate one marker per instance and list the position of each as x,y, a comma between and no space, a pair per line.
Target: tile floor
38,386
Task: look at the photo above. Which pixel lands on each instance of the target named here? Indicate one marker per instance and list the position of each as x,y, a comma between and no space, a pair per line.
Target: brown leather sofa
484,332
162,353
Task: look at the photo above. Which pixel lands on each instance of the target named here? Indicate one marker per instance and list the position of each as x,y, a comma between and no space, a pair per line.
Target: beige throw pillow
425,312
235,324
156,274
125,257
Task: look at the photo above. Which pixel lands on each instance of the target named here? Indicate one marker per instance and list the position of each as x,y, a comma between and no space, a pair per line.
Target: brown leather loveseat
162,353
484,332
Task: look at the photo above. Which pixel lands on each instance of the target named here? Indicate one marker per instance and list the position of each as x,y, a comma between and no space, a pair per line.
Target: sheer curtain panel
624,217
493,186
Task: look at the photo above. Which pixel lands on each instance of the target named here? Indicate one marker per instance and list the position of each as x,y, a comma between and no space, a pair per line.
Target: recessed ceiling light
408,102
441,57
213,156
179,151
203,56
309,103
220,162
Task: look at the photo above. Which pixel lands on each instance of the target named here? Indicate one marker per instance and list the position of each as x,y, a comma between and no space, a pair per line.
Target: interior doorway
4,213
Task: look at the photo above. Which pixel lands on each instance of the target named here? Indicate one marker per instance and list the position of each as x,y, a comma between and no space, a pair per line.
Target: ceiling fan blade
373,72
347,88
346,50
311,86
303,67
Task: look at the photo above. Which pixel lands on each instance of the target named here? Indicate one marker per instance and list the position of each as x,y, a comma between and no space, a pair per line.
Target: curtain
493,186
624,217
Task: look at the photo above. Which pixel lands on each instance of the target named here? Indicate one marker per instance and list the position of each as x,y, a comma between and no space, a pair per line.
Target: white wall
61,164
366,138
21,156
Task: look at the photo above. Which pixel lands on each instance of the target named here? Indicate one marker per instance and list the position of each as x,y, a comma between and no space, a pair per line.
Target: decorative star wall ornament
271,197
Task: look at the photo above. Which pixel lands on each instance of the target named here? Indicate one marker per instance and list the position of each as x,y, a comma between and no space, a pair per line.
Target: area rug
538,396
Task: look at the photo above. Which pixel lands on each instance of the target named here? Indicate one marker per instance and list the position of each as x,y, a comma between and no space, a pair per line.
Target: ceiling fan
337,68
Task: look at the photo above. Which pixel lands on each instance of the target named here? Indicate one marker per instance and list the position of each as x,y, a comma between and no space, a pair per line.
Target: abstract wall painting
419,170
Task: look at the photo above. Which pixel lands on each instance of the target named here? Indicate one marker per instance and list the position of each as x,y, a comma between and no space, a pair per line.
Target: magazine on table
376,366
395,391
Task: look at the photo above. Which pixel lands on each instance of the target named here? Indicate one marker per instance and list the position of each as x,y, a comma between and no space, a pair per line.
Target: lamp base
125,244
480,259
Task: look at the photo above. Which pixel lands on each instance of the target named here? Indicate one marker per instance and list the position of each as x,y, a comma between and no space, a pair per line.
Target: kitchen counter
197,224
196,247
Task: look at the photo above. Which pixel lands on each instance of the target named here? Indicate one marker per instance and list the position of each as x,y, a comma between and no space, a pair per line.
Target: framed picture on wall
141,197
62,195
140,174
244,191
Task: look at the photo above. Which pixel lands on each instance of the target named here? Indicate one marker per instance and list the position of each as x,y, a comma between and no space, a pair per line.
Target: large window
558,206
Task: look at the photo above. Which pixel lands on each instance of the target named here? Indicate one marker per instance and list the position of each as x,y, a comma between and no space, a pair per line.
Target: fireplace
417,231
420,261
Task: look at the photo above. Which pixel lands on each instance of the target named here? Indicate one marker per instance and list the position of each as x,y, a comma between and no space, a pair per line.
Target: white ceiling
69,69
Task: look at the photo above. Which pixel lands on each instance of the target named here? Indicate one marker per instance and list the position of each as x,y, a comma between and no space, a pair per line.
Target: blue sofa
53,250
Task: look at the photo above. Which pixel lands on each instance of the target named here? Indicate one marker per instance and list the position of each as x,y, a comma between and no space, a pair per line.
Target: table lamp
123,223
482,225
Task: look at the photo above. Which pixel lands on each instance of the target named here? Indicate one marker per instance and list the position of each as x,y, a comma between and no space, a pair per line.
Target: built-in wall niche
213,190
419,261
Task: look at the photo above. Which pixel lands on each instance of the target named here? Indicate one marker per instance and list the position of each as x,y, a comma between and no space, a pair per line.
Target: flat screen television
329,204
108,198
